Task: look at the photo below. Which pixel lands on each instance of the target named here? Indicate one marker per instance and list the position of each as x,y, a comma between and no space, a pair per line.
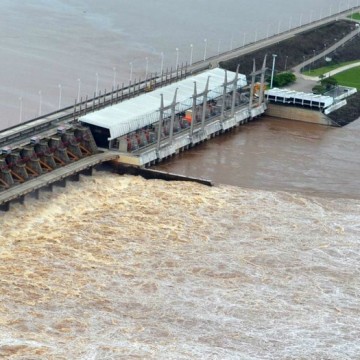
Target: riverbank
302,47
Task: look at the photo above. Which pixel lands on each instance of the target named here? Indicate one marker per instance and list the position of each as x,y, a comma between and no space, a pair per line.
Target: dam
137,125
138,131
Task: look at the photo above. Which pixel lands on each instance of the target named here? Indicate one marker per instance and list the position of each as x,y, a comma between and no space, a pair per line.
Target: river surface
47,43
264,265
276,154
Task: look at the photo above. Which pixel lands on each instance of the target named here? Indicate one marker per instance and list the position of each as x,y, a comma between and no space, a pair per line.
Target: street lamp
40,102
272,71
60,90
218,48
231,42
79,87
286,57
205,48
290,22
21,108
162,63
130,71
279,25
146,67
300,22
177,58
191,53
244,39
97,84
114,79
268,30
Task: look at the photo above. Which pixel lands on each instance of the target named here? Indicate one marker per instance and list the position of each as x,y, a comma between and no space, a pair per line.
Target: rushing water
117,267
124,268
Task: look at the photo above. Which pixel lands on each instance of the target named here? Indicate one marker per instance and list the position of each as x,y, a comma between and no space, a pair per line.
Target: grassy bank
349,77
325,69
355,16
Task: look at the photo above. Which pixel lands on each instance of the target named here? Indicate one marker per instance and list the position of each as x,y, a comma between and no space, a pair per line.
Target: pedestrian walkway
332,72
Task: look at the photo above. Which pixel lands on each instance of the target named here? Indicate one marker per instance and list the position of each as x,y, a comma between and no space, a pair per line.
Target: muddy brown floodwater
117,267
277,154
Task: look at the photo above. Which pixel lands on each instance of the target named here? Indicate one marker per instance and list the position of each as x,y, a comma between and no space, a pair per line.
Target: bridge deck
55,175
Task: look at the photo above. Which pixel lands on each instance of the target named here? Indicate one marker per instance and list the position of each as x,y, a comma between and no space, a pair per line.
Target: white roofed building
143,111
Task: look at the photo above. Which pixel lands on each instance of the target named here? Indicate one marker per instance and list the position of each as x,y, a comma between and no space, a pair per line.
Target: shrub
283,79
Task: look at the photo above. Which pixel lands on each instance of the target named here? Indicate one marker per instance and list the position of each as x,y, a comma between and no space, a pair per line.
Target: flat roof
143,110
287,94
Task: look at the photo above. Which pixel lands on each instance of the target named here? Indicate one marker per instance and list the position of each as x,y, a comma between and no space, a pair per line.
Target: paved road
305,83
214,61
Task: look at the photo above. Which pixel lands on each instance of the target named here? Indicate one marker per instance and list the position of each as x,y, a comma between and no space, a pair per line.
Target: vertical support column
234,91
222,116
161,117
193,114
74,109
252,86
262,82
204,104
173,105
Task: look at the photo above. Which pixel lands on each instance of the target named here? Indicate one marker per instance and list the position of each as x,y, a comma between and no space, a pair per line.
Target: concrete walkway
332,72
213,61
305,83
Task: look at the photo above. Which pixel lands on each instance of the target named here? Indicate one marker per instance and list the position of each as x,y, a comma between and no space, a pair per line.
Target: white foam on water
120,267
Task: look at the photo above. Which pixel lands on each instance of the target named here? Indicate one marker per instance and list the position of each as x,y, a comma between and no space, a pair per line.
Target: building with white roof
291,97
142,111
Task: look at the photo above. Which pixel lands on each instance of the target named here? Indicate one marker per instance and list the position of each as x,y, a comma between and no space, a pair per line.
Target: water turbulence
122,267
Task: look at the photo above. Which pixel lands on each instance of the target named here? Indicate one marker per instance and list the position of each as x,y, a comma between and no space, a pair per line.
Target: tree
284,79
318,89
329,83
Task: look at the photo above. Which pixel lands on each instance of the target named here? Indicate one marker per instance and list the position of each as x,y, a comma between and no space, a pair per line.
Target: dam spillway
138,131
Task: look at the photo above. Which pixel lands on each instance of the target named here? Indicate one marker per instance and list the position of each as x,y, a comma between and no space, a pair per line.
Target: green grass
355,16
349,77
325,69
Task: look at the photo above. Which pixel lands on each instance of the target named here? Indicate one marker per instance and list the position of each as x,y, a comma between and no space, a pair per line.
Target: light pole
191,53
177,58
279,25
256,34
205,48
60,90
231,42
114,79
268,30
131,71
97,84
79,88
40,102
311,14
300,22
21,108
286,57
272,71
146,67
244,39
162,63
290,22
218,49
